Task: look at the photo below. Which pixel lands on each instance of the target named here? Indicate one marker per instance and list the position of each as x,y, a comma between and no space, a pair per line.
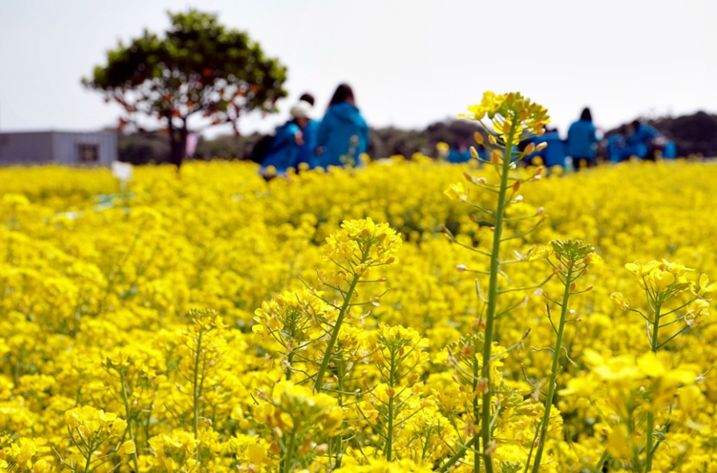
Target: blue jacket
284,152
640,140
670,151
552,155
307,153
455,156
617,149
343,136
556,151
581,140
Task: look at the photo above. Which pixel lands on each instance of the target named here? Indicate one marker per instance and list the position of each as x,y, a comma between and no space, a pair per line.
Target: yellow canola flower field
188,324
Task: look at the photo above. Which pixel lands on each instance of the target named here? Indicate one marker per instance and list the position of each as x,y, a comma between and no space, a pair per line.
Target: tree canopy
199,69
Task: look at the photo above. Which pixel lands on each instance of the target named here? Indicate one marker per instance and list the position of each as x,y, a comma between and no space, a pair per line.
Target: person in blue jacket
460,155
641,138
582,138
552,155
647,142
617,149
556,151
670,151
343,133
307,153
286,145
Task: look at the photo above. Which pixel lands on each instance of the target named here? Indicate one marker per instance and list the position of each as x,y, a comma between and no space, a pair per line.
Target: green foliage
390,141
198,68
227,147
143,148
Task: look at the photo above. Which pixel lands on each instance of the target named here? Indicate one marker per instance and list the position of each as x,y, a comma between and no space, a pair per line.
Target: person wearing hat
288,140
307,154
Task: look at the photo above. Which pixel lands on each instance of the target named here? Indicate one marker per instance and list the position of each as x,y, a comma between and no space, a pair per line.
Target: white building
59,147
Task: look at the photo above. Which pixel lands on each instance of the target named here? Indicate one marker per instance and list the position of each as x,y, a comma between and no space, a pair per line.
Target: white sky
409,62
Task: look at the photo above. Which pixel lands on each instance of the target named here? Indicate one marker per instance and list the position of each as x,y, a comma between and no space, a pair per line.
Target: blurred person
582,138
343,133
617,148
640,139
554,154
670,150
284,151
648,143
462,154
307,154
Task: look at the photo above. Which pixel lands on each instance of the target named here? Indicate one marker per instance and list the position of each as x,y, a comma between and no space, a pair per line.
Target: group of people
581,144
645,142
340,138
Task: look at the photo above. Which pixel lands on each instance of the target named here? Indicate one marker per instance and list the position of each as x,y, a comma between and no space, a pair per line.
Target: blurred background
413,66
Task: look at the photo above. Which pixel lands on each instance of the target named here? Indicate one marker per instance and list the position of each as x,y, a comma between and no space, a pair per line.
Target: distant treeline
144,148
696,133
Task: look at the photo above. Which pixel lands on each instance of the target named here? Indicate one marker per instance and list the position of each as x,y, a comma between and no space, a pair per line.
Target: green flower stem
553,372
197,391
459,454
476,408
532,447
290,357
89,460
391,414
335,333
288,462
649,442
492,301
389,433
135,458
603,458
318,383
339,437
655,327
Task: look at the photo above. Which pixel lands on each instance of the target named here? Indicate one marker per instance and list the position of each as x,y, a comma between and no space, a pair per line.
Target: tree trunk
177,143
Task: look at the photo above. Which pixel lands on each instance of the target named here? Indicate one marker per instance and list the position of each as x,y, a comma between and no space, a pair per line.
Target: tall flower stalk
572,260
204,346
358,247
663,282
511,116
